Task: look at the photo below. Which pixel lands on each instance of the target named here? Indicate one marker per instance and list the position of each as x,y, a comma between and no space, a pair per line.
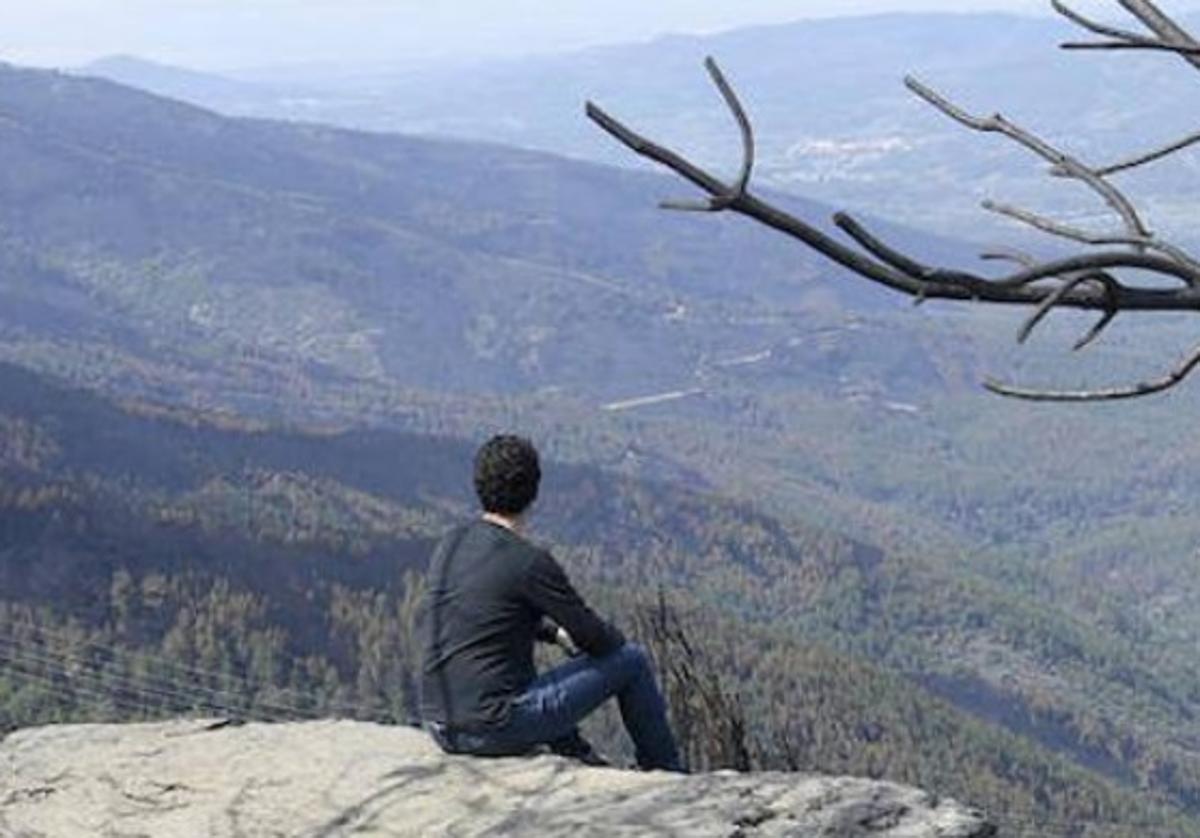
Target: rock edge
332,778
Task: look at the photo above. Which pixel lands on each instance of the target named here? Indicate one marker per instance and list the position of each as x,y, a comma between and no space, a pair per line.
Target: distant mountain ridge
164,219
177,82
834,120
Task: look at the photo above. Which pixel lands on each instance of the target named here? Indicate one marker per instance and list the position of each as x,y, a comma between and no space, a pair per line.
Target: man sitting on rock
491,593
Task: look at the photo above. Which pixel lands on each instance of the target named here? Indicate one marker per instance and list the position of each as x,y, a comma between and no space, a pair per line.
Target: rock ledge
332,778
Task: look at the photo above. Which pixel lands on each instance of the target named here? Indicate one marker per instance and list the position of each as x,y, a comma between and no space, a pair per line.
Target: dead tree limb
1168,35
1095,26
1094,280
1152,46
1066,231
1064,163
1147,157
1162,25
1143,388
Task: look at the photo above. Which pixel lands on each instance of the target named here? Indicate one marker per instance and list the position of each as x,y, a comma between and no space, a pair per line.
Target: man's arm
549,591
546,632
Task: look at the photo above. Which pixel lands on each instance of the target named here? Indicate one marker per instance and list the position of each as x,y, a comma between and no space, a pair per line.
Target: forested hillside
1035,569
155,565
144,224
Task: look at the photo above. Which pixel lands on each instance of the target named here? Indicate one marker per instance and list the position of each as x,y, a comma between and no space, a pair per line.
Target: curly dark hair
507,474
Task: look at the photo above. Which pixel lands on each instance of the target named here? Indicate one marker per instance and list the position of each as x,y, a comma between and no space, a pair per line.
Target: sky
240,34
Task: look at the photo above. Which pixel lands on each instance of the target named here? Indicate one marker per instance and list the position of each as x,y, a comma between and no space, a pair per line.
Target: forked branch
1087,280
721,202
1062,162
1166,35
1066,231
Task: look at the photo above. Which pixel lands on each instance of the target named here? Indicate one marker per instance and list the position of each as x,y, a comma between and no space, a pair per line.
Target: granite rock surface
332,778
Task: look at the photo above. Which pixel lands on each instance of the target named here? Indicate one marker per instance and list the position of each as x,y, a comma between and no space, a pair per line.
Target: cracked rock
334,778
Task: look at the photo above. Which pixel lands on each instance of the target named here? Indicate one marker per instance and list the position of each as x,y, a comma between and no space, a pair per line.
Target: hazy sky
223,34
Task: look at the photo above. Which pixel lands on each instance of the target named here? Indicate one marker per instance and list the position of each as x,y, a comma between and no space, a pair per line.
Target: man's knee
635,655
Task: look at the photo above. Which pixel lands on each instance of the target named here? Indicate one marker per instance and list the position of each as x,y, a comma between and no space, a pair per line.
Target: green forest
156,566
244,365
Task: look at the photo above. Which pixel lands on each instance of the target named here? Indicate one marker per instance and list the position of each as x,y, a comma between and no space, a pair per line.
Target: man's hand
563,639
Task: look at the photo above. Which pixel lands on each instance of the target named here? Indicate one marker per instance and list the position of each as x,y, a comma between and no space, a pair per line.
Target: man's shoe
579,749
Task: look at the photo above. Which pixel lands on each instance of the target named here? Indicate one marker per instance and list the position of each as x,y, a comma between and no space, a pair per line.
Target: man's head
507,475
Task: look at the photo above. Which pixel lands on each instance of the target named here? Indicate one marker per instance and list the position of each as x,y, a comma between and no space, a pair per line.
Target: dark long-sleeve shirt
489,591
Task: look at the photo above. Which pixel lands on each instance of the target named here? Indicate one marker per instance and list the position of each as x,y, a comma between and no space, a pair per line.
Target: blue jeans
552,706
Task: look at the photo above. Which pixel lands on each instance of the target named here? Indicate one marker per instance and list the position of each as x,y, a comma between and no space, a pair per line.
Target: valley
244,361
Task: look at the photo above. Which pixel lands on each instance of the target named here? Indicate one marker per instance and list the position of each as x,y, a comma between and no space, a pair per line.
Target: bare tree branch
1171,36
1009,254
883,252
1064,162
1056,228
1143,388
1096,330
1111,289
1082,281
942,283
1110,285
1141,159
1161,24
1132,297
1185,50
1177,41
952,285
720,202
747,204
1094,26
